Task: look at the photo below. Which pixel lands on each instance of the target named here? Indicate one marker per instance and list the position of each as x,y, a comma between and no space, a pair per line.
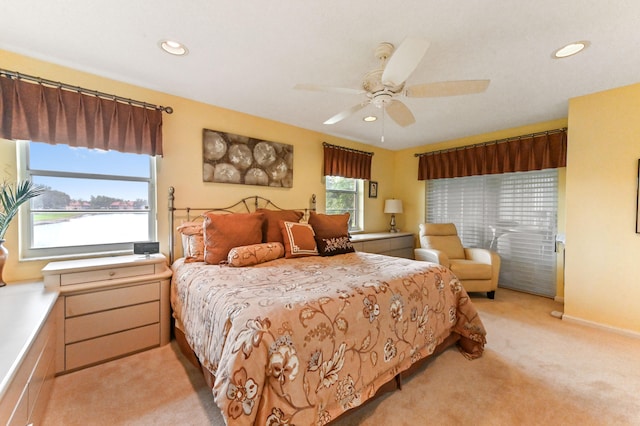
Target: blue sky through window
64,158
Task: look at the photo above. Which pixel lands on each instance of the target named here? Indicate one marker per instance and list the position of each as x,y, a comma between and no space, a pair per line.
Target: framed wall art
231,158
373,189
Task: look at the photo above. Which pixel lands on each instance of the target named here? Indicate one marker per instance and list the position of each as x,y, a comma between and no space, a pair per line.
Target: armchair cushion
470,270
442,236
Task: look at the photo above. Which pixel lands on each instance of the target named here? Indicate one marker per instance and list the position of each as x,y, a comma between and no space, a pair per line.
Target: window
95,201
345,195
514,214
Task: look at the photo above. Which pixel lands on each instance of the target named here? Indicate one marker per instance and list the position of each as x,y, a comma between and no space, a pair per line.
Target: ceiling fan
384,85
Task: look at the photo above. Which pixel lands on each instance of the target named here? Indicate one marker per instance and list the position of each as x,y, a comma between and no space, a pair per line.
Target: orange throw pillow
329,225
298,239
271,227
192,241
255,254
222,232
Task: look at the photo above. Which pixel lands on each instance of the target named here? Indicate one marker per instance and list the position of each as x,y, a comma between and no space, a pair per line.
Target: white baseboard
558,299
622,331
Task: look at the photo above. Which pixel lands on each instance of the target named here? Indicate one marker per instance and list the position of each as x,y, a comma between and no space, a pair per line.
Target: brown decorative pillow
254,254
329,225
192,234
271,226
222,232
334,245
298,239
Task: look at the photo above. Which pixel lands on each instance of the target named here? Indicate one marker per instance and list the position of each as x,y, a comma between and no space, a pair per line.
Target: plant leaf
12,197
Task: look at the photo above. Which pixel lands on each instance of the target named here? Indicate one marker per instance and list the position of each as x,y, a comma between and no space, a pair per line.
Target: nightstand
111,307
398,244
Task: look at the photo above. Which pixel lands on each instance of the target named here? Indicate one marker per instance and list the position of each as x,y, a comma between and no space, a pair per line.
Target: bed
286,336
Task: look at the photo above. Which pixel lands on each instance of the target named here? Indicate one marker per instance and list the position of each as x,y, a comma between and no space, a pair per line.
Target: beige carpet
536,370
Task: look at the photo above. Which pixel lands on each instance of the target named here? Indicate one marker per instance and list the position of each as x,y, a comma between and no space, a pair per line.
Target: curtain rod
497,141
347,149
39,80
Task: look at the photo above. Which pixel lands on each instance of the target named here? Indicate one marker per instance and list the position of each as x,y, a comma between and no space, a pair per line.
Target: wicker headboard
245,205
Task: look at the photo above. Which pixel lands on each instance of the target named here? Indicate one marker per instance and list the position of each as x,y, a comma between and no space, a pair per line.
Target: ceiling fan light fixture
370,118
173,47
570,49
386,84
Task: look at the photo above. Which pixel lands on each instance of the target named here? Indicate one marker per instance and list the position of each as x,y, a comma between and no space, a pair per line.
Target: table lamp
393,206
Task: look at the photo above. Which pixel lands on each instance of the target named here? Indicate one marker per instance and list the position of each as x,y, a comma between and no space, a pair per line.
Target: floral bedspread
300,341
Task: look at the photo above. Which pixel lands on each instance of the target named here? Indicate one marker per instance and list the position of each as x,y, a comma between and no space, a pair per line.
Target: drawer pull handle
112,273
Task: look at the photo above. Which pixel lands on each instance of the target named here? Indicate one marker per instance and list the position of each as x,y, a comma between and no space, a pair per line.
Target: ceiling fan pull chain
382,137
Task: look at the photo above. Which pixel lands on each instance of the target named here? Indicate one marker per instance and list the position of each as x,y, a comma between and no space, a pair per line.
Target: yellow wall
181,165
603,250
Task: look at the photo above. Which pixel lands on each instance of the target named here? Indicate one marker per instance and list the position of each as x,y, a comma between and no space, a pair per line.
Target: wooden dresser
110,307
27,351
399,244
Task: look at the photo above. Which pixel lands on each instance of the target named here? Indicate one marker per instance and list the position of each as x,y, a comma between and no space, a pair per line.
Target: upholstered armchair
476,268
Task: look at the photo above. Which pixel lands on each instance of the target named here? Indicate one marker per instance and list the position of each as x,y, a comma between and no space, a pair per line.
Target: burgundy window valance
346,162
36,112
538,151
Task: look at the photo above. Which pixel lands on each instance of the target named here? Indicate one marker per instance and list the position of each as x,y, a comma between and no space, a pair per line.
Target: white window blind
514,214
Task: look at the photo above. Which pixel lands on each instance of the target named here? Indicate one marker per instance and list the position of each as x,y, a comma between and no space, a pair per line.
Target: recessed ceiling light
370,118
173,47
570,49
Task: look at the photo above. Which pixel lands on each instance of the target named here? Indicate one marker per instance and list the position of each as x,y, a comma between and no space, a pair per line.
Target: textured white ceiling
247,55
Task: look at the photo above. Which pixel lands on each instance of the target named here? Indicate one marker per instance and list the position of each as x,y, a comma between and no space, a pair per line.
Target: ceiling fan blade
447,88
346,113
320,88
400,113
404,61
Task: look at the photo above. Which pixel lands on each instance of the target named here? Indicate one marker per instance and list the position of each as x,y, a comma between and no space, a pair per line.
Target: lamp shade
393,206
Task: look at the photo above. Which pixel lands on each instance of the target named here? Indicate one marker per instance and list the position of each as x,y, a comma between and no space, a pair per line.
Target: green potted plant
12,196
